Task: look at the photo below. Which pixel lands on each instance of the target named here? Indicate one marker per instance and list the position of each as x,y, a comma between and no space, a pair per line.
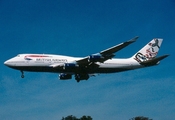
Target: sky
81,28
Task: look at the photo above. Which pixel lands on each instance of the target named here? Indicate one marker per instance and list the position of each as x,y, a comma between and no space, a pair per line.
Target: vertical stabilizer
149,51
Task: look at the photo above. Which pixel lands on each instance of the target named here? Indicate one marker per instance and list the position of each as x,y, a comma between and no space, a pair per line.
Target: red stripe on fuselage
36,56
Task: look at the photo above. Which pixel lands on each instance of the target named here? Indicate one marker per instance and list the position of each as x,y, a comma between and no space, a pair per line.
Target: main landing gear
79,77
22,74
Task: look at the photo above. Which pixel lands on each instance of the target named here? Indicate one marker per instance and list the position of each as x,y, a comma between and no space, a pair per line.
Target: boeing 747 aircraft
84,67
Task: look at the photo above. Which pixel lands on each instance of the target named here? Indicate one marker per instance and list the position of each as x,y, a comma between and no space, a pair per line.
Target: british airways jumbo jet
84,67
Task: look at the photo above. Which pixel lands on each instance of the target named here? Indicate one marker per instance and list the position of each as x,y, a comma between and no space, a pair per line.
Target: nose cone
7,63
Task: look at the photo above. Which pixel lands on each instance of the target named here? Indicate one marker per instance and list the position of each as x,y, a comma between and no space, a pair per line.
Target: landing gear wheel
78,81
79,77
22,76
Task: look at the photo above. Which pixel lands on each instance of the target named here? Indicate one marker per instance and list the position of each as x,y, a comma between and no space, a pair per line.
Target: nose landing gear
22,74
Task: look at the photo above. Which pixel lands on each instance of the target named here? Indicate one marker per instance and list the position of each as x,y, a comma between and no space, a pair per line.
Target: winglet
133,39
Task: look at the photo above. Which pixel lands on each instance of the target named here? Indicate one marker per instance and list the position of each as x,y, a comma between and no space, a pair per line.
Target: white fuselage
83,67
55,63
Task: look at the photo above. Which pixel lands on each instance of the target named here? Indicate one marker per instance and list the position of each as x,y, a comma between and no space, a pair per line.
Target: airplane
84,67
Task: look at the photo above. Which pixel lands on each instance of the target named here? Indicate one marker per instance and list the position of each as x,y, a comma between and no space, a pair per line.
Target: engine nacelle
68,66
95,58
64,76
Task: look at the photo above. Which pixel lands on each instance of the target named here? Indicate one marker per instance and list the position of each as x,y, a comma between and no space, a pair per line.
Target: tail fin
149,51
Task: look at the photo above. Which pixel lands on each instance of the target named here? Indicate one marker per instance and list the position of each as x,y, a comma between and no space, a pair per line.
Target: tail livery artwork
83,68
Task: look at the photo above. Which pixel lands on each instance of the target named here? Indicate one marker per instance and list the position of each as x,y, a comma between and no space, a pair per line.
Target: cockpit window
18,55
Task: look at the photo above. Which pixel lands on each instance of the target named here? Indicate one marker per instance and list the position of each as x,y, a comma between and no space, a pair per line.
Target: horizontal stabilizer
153,61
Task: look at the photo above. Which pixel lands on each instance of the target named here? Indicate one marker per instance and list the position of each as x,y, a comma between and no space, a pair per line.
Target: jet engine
95,58
69,66
99,57
64,76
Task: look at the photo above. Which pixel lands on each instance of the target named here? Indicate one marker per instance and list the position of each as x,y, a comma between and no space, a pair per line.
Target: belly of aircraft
72,71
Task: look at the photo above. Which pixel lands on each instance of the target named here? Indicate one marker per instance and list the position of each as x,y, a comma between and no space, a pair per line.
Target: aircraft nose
6,63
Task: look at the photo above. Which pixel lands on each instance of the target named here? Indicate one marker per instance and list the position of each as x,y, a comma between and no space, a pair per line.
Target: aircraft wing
118,47
105,54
